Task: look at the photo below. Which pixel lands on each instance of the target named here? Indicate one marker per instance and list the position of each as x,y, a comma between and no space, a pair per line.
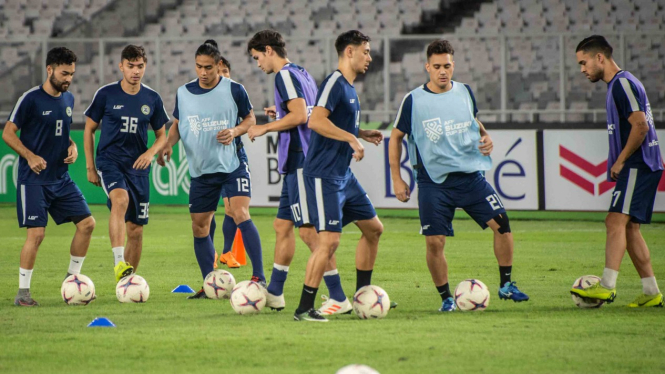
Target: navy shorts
242,157
293,200
333,203
635,193
471,192
112,176
205,190
62,200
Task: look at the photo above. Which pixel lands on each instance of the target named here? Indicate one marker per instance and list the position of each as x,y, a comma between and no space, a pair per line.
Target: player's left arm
296,116
371,136
145,159
72,152
486,145
245,112
158,123
629,105
639,127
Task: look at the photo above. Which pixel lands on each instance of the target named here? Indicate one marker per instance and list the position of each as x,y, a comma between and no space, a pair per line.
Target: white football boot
332,306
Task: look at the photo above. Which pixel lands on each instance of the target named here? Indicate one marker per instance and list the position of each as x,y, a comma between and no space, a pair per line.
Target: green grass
169,334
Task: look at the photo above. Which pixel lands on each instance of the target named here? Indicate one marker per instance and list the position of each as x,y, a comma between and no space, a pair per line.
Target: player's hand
371,136
143,161
226,136
402,191
256,131
36,163
486,146
93,177
270,111
358,149
165,153
616,169
72,154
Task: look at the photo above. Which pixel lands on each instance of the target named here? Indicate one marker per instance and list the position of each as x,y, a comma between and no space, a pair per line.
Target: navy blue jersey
329,158
237,91
44,122
124,120
626,95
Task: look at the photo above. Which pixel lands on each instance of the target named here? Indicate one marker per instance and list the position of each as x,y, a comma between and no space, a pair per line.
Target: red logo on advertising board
594,171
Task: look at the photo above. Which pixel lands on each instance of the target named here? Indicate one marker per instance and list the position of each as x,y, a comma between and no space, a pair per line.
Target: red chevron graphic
594,170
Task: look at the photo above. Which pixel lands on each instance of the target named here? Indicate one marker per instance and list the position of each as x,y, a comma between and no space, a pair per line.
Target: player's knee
86,226
240,215
281,226
36,236
308,236
503,222
615,222
134,231
375,231
435,243
120,200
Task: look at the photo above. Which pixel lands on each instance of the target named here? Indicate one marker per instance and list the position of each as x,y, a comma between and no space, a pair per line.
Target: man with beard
635,164
44,116
125,109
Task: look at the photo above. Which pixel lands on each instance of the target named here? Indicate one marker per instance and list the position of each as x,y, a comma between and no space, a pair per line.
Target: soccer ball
219,284
77,289
583,282
356,369
248,297
371,302
472,294
132,289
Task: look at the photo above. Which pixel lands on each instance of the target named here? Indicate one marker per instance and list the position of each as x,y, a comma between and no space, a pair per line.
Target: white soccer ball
472,294
77,289
219,284
356,369
132,289
371,302
583,282
248,297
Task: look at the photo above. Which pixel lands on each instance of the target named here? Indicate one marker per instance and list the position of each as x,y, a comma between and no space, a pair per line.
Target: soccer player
43,114
449,149
206,119
295,93
125,109
636,165
229,226
334,196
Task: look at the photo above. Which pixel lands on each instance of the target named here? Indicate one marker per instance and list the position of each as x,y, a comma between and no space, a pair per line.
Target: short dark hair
209,48
440,47
225,62
265,38
595,44
351,37
133,52
60,56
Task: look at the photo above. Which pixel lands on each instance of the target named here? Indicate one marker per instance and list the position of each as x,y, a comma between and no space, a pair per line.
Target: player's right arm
89,148
171,140
401,127
36,163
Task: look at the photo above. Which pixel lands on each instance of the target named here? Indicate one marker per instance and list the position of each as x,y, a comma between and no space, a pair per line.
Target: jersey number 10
129,124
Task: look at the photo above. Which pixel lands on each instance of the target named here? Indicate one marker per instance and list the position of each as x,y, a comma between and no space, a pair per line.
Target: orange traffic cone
238,249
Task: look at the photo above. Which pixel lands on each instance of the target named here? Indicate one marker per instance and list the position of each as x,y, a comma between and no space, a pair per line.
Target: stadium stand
533,68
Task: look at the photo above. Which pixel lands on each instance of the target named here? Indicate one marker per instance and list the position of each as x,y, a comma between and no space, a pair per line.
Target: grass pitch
170,334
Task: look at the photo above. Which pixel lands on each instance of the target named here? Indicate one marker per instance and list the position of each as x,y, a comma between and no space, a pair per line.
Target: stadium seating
532,44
